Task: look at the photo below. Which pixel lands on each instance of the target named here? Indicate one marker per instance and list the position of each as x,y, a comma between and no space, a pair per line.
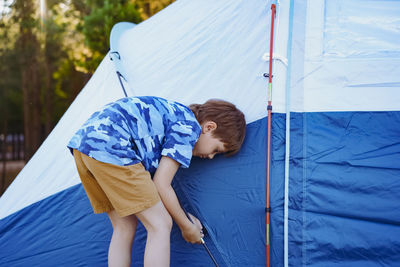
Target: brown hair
231,124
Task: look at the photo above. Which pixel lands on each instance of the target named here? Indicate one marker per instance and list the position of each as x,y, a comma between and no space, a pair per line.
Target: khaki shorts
125,189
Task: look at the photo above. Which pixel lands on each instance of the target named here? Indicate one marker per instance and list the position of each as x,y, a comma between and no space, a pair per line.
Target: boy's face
207,146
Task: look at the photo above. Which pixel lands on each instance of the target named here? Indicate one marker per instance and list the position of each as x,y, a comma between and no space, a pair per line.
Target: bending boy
122,146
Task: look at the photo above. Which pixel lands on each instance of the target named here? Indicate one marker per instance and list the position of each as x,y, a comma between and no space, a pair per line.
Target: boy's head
223,128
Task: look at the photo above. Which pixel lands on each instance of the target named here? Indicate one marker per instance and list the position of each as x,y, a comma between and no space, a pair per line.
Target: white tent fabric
199,62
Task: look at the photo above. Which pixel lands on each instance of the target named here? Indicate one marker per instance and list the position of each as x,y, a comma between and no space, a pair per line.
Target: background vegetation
48,51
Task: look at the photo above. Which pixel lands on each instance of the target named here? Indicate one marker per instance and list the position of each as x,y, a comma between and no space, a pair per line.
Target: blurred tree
47,57
10,93
46,60
96,26
9,102
28,51
51,54
148,8
57,38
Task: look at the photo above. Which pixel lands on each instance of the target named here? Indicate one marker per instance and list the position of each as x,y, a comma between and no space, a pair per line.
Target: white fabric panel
200,49
191,51
351,57
52,168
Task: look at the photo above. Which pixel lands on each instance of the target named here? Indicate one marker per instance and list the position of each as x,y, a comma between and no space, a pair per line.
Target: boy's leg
158,224
124,229
130,191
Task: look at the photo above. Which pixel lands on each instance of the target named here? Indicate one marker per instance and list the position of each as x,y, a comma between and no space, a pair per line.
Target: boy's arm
166,171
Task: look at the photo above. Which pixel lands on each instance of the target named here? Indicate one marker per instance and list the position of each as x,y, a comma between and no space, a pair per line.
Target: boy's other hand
193,233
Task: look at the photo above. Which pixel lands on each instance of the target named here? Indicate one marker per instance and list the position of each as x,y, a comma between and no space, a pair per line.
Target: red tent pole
268,209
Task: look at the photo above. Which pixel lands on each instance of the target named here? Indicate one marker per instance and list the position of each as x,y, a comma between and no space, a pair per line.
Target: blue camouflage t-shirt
139,129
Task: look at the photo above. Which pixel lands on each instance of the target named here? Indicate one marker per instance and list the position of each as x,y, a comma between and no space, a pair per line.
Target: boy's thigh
97,197
128,188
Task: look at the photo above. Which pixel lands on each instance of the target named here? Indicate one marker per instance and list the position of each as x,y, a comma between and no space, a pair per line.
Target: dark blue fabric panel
58,231
345,189
226,194
343,202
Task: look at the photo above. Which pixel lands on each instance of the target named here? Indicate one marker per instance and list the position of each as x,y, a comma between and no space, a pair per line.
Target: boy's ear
209,126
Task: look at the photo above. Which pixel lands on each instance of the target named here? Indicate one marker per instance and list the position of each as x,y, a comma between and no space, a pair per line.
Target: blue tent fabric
57,235
65,225
345,189
207,189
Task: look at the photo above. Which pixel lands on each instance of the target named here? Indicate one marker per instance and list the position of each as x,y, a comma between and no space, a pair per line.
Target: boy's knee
165,223
125,227
156,219
169,223
162,224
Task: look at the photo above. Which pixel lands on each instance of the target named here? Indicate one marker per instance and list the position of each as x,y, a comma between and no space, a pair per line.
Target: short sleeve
180,139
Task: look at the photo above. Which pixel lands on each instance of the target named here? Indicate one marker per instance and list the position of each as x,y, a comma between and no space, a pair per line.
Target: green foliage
57,52
148,8
10,93
98,24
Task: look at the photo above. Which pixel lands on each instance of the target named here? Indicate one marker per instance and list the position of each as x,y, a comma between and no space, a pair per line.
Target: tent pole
268,209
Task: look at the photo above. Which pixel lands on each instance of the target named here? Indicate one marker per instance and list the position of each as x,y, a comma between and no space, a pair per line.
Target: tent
335,180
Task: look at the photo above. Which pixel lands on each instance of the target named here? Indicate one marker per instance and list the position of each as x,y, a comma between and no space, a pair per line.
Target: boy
122,146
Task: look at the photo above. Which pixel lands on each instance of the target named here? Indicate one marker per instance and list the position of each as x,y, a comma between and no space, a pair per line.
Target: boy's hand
193,232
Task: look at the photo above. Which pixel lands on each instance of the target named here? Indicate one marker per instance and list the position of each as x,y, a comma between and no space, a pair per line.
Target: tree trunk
27,116
48,101
29,51
31,100
31,95
4,154
48,92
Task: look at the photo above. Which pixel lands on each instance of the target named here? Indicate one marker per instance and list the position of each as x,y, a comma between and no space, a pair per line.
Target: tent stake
203,242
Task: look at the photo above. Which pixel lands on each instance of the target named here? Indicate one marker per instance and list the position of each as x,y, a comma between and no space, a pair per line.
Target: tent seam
287,137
